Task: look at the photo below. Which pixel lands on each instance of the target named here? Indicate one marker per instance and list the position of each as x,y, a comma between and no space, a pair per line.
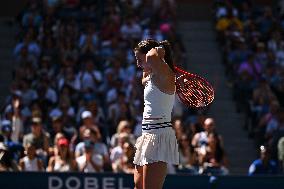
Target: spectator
91,135
188,157
130,29
201,138
57,127
30,162
117,152
32,46
280,55
275,128
264,165
6,130
178,127
16,118
123,127
39,138
64,160
6,161
125,163
90,77
213,157
251,67
97,112
89,34
70,80
269,118
90,161
225,22
88,123
14,148
262,97
280,147
24,57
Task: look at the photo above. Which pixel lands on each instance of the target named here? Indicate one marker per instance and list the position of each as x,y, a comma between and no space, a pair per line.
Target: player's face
140,59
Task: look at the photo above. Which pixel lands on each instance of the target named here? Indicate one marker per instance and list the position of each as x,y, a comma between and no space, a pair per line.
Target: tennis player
157,146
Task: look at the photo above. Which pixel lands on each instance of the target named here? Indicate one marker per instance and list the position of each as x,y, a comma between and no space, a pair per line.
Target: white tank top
30,165
61,167
157,104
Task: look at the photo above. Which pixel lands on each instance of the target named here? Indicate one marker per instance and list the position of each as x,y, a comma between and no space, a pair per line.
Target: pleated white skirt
157,145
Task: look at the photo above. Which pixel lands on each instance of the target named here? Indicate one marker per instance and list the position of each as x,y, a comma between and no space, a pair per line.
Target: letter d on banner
54,182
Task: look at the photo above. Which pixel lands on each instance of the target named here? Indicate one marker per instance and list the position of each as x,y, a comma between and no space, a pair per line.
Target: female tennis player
157,146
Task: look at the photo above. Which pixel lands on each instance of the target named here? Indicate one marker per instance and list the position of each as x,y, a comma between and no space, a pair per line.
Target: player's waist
156,126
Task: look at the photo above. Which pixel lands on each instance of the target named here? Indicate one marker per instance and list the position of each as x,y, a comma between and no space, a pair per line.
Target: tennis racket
193,90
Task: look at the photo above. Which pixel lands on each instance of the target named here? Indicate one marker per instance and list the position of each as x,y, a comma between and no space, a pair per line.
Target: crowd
76,98
251,38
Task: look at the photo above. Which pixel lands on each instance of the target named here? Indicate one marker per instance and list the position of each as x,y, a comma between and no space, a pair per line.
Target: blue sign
42,180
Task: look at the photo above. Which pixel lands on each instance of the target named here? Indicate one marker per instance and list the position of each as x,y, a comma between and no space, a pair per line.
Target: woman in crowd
213,155
64,161
125,163
188,157
30,162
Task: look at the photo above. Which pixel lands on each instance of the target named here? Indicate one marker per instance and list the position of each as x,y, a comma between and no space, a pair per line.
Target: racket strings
193,90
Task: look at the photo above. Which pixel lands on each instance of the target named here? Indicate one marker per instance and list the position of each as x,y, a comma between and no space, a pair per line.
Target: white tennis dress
158,141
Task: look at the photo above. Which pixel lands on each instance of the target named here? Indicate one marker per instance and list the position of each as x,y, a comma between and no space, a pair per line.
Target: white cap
86,114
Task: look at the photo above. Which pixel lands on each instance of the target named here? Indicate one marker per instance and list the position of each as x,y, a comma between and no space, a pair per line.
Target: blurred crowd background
251,39
76,98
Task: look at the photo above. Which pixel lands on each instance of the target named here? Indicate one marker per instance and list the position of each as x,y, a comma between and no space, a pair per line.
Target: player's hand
161,52
152,52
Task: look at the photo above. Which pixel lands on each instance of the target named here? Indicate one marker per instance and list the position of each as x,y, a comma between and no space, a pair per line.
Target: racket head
193,90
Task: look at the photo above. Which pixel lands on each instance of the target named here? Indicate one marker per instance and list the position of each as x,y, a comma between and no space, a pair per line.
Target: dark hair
146,45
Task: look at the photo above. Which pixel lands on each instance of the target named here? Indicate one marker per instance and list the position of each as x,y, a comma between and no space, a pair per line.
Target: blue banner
36,180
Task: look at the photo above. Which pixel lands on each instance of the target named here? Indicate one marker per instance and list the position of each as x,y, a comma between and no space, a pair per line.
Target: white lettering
54,182
91,183
77,183
108,183
120,184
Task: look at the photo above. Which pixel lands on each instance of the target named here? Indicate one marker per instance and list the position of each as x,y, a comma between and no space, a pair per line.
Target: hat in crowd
6,126
63,142
36,120
86,114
